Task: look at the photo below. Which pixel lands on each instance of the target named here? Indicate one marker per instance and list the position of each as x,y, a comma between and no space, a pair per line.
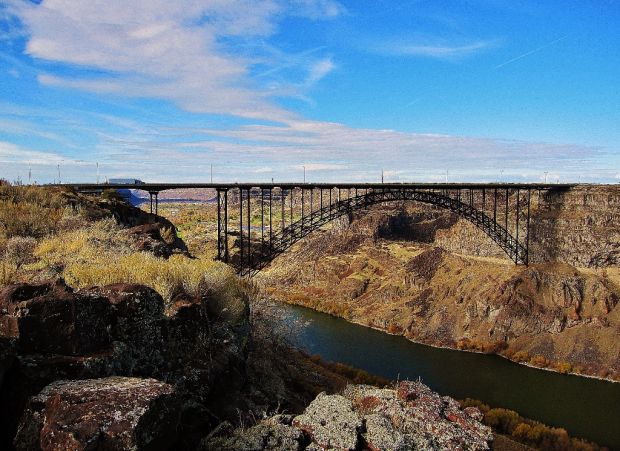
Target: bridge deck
156,187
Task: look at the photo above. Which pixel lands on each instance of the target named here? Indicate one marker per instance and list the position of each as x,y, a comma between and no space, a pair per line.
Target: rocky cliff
579,226
108,368
423,273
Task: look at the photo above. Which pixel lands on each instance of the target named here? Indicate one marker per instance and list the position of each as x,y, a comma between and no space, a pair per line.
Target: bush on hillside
30,211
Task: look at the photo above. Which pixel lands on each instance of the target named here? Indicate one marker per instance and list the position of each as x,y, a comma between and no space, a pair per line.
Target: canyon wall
579,226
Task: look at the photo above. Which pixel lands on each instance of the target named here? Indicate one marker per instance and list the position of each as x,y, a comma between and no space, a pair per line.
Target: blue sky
486,90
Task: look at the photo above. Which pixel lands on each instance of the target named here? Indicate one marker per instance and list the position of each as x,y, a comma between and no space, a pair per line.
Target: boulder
49,318
414,417
331,422
48,332
110,413
136,327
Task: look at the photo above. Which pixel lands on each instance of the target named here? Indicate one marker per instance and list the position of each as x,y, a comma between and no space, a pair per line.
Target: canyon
419,271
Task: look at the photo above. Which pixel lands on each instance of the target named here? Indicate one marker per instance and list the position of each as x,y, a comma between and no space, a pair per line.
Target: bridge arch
284,238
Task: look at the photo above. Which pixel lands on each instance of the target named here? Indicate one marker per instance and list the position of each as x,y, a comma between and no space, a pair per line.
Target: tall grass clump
8,273
103,254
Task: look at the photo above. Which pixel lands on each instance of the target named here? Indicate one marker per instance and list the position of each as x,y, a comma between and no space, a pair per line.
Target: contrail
531,51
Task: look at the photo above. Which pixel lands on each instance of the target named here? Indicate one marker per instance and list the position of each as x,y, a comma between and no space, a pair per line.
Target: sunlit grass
103,254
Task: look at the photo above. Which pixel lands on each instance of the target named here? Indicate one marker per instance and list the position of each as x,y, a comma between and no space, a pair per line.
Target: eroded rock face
110,413
411,416
544,314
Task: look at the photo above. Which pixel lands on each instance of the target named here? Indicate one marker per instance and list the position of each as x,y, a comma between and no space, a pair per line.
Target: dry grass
8,273
103,254
29,211
529,432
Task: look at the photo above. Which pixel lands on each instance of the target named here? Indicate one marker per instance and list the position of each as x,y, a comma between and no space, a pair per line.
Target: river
585,407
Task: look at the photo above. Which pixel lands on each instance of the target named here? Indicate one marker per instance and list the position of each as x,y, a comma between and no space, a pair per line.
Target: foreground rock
111,413
48,333
409,417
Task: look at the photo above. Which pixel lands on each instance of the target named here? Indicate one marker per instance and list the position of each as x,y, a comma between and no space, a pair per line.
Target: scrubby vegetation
529,432
102,254
47,232
29,211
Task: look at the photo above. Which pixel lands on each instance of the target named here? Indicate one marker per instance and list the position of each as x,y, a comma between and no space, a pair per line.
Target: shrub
395,329
563,367
520,356
29,210
168,234
539,360
502,420
529,432
19,250
469,402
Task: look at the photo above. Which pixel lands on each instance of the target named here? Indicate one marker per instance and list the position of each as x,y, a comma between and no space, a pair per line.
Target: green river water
585,407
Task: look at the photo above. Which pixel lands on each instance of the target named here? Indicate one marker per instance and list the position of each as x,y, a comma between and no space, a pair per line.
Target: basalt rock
48,332
7,355
148,237
51,319
411,416
110,413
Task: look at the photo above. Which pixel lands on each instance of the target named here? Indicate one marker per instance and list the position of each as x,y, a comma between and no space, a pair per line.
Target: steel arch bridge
318,208
257,222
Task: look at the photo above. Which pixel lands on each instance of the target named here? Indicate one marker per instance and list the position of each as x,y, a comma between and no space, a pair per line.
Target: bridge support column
222,225
153,195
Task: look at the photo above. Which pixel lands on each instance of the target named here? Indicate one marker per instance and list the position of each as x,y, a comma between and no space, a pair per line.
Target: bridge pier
154,195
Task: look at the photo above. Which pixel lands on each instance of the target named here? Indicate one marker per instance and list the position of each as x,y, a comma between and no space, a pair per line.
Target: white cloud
432,49
11,153
321,167
319,70
316,9
171,50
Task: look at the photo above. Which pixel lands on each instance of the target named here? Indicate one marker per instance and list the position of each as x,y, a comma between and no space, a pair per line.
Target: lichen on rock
109,413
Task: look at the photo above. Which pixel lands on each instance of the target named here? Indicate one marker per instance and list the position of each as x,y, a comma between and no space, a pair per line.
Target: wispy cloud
319,70
432,48
180,51
321,167
330,151
438,51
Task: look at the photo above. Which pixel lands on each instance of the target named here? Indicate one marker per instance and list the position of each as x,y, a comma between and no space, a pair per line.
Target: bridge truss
270,219
257,222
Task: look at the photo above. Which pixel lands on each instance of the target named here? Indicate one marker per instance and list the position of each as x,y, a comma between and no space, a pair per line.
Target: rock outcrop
49,333
109,413
411,416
